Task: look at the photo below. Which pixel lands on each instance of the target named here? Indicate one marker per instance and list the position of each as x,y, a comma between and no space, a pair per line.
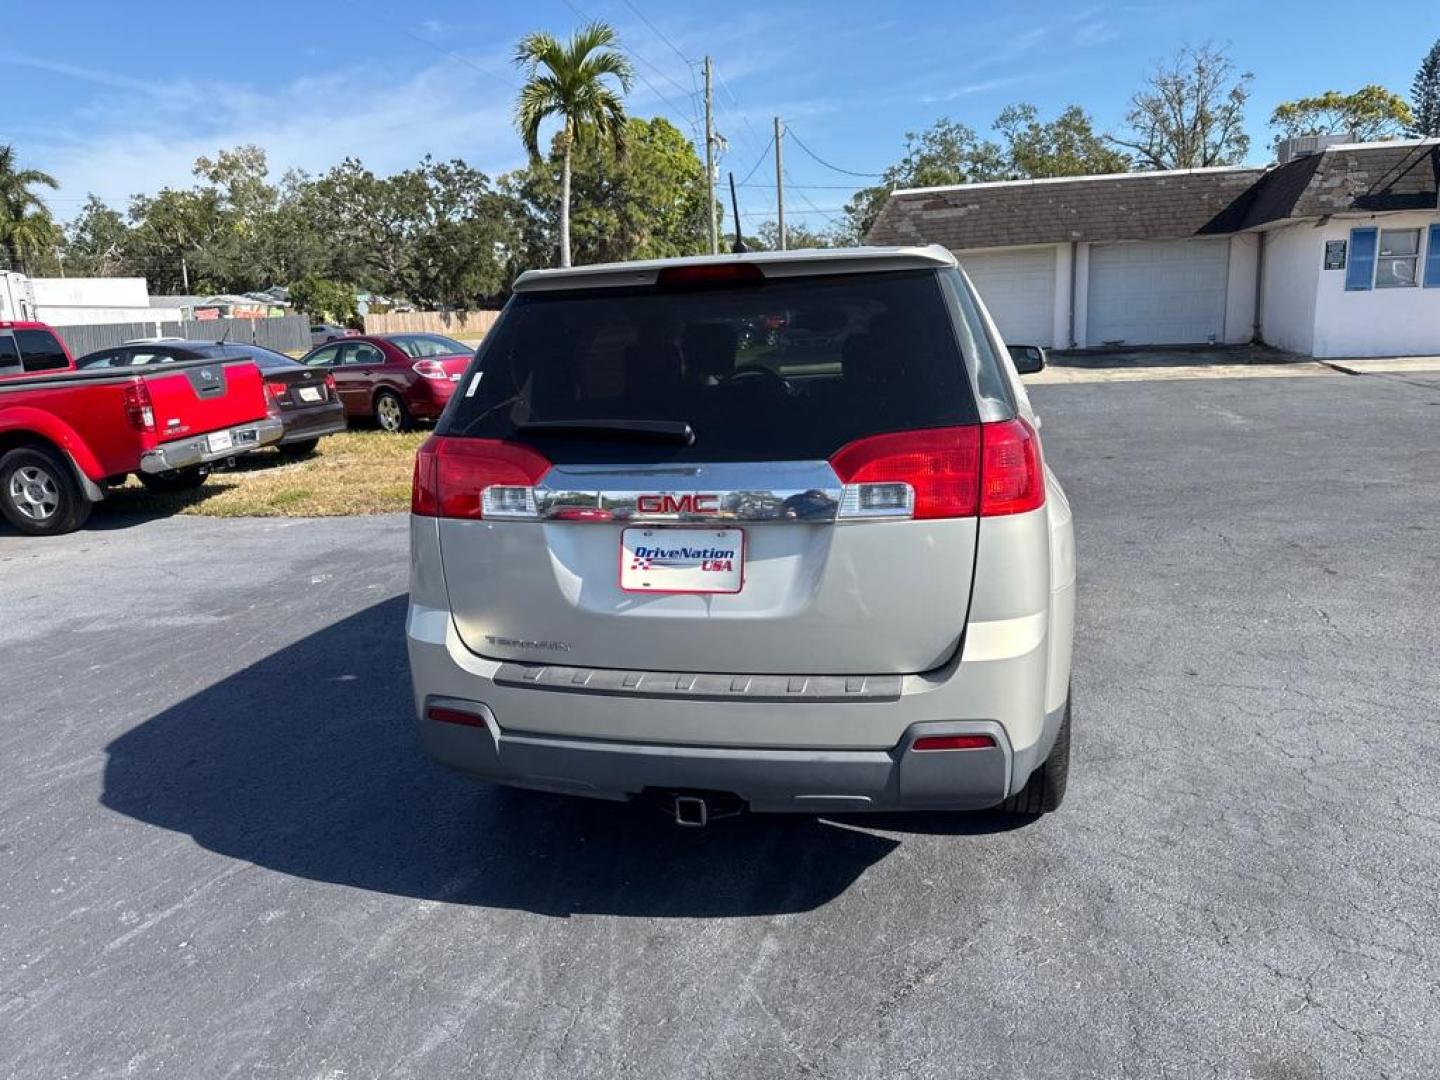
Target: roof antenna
738,247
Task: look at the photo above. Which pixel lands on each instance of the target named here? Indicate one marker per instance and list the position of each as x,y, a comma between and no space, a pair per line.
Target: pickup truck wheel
390,412
38,493
1045,790
179,480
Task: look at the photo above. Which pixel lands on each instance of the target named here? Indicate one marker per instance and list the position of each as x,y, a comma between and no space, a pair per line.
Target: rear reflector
475,478
711,274
953,742
454,716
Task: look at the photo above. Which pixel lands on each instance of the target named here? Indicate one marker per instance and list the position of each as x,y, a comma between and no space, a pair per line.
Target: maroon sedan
394,378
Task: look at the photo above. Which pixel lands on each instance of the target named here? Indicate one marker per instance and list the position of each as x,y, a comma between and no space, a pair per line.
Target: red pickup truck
30,348
65,436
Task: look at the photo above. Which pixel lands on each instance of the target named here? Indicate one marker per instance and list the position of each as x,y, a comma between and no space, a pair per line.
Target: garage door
1018,288
1157,292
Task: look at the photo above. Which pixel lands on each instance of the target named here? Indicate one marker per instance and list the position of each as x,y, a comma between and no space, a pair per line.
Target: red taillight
953,742
430,369
138,408
1012,476
454,716
452,477
940,466
711,274
277,390
330,382
987,469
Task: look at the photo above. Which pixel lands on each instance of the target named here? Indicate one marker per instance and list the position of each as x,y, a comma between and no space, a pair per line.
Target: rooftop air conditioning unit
1305,145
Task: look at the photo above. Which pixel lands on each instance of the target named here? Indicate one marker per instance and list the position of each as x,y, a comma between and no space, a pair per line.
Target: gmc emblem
678,504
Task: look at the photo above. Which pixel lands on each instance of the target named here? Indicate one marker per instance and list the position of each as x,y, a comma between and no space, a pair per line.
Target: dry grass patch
356,472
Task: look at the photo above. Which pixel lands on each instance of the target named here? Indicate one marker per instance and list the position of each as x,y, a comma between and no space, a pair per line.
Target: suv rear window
40,350
790,369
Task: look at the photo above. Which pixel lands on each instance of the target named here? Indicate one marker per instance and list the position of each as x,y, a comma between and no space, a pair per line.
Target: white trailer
17,298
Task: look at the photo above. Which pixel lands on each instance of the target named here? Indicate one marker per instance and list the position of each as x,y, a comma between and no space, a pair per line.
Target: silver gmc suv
770,531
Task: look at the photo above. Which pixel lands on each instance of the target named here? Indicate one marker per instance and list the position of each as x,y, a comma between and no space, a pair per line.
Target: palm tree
568,81
25,223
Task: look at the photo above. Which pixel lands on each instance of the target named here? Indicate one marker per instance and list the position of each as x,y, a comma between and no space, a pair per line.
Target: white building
90,301
1334,252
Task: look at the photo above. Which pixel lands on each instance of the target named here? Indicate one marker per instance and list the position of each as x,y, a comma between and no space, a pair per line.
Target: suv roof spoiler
773,264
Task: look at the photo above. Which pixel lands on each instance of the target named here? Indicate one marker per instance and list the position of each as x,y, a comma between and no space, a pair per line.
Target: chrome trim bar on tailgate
673,684
774,491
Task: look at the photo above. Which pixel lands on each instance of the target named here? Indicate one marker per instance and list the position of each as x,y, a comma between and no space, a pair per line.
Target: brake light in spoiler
700,274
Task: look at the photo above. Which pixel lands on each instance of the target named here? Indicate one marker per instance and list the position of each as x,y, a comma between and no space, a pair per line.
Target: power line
758,162
656,31
806,200
834,168
788,212
640,75
802,187
438,48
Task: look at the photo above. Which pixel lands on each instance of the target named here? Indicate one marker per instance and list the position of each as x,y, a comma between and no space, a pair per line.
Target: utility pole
185,275
780,180
710,156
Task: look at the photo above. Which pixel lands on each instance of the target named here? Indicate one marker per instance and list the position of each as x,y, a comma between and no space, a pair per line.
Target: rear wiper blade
670,431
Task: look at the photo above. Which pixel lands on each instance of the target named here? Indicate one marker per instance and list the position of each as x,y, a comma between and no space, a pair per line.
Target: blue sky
119,98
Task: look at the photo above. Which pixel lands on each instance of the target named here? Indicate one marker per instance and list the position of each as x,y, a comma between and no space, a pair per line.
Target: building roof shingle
1164,205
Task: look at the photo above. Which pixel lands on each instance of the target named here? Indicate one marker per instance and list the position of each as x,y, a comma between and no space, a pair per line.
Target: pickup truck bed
63,437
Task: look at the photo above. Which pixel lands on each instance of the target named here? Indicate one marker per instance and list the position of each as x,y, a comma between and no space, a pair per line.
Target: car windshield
421,346
788,369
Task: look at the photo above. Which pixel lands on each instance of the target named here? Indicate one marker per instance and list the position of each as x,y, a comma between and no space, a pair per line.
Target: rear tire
39,494
1045,790
179,480
390,413
303,448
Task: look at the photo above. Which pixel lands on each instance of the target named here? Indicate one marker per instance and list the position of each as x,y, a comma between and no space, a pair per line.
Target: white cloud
139,141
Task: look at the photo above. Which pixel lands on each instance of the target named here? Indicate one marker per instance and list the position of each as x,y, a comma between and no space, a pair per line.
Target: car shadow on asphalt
307,763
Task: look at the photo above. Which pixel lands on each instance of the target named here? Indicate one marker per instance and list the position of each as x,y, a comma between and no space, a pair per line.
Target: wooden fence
456,324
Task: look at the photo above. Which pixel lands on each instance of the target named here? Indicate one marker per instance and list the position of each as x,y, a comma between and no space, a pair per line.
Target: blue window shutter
1432,259
1360,272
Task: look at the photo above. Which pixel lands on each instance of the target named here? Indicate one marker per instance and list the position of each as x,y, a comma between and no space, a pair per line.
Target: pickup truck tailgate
197,398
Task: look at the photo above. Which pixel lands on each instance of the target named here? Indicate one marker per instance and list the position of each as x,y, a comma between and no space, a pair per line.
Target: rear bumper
196,450
426,399
820,754
769,780
312,423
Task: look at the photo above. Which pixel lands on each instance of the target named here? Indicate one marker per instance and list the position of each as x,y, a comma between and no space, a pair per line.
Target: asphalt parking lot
221,853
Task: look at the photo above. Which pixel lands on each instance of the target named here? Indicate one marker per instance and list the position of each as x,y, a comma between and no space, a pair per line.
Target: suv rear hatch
716,472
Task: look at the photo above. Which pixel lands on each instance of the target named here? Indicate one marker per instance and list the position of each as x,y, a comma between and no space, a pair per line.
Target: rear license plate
682,560
218,441
309,393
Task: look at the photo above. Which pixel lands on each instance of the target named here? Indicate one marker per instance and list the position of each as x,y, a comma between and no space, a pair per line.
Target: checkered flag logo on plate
638,563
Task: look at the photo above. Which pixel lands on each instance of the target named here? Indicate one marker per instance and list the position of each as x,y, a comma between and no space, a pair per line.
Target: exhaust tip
691,811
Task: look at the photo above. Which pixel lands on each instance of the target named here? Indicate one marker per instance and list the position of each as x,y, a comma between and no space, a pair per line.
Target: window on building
1361,270
1432,259
1398,260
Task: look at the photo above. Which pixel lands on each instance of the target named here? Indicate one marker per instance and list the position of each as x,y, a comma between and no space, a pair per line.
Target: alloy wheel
388,412
34,492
